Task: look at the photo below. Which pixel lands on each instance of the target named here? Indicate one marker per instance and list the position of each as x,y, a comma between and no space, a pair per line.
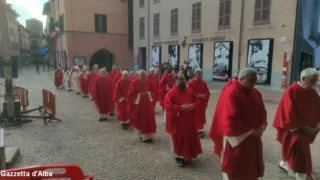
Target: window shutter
104,23
96,22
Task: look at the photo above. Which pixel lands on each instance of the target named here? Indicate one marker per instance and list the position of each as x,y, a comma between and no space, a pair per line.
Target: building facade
34,26
13,32
219,36
92,32
5,47
25,43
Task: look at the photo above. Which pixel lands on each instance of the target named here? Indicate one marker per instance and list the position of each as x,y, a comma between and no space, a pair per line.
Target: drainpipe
148,49
240,36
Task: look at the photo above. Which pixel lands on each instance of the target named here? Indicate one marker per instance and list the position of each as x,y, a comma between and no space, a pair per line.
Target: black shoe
180,162
128,125
124,126
101,119
78,93
112,114
201,134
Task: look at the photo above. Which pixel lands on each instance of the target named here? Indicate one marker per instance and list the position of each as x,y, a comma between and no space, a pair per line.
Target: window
100,23
174,21
262,12
61,23
196,18
156,25
11,32
224,14
156,1
12,45
141,3
141,27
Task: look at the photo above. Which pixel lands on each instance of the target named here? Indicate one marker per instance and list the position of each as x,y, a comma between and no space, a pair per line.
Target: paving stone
108,152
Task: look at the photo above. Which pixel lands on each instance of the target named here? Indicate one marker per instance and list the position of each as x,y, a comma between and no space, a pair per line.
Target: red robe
58,78
92,76
200,87
166,82
84,83
154,80
113,86
117,77
121,90
142,115
298,108
113,74
183,130
102,91
241,110
132,77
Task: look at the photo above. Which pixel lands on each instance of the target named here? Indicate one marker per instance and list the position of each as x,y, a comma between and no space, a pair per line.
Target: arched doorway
103,58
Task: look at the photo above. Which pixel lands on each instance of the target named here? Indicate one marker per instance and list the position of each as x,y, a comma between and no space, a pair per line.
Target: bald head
131,73
114,68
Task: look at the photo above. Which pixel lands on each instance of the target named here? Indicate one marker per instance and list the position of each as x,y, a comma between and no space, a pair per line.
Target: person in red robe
237,127
118,76
92,75
297,121
202,92
58,78
141,108
113,85
154,80
103,95
84,81
113,73
121,99
165,85
180,106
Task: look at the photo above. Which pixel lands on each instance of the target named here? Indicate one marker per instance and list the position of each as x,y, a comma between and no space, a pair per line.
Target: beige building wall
13,31
282,22
5,47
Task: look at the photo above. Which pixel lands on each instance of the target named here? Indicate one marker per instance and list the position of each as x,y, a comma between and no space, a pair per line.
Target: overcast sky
29,9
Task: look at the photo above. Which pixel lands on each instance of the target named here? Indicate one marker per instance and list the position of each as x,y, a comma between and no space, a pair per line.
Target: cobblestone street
110,153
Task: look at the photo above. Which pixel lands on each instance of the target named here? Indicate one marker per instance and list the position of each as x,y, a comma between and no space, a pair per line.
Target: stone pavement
110,153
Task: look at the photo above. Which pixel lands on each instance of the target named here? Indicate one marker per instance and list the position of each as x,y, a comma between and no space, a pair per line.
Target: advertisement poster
173,56
222,62
195,57
156,56
79,61
260,58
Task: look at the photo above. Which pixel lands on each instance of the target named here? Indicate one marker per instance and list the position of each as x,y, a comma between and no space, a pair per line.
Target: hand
125,99
190,107
184,107
257,132
310,130
201,96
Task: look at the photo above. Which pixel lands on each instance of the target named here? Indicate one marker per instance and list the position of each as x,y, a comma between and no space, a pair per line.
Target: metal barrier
49,105
21,94
72,171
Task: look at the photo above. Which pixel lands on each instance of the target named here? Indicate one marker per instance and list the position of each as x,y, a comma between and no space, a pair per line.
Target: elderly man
237,128
103,95
131,76
76,80
154,80
180,105
84,81
121,98
114,73
297,121
92,75
202,92
141,107
118,76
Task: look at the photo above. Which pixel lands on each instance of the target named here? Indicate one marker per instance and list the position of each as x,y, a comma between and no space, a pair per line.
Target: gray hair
124,73
309,72
197,70
141,71
247,72
153,69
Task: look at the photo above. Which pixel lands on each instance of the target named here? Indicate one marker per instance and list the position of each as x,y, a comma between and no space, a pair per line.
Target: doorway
143,58
306,61
103,58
